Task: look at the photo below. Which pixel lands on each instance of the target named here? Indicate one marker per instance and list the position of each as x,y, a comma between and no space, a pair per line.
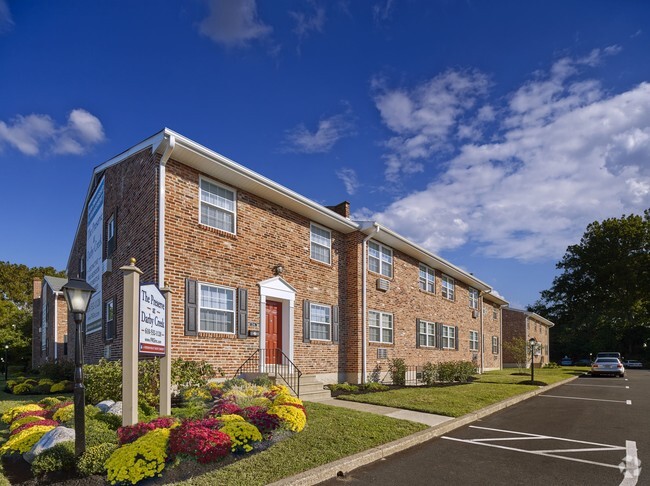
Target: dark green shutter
456,338
439,335
242,313
190,307
305,321
335,323
417,333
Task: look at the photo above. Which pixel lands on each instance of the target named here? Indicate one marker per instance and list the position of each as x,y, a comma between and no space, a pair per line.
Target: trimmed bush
113,421
397,370
24,420
429,373
23,389
200,439
58,458
94,459
25,440
13,412
130,433
242,435
98,433
48,402
144,458
291,418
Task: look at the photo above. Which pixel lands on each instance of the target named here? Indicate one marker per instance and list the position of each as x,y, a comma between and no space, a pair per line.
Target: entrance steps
313,390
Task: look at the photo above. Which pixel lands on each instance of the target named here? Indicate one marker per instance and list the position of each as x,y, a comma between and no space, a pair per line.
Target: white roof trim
534,315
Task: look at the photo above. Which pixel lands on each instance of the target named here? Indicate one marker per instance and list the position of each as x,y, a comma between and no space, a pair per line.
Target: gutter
170,144
56,322
481,368
364,318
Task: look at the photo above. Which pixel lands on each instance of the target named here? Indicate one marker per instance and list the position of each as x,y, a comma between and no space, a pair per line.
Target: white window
110,236
427,334
448,287
449,337
427,278
473,298
495,345
320,322
216,309
473,340
217,206
321,244
380,327
380,259
494,314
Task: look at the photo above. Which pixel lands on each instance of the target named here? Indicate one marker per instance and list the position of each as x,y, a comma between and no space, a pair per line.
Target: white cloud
382,12
424,118
305,23
566,154
330,130
349,178
6,21
233,23
34,133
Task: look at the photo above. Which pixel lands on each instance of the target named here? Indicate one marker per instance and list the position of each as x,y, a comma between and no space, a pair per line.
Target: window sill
220,232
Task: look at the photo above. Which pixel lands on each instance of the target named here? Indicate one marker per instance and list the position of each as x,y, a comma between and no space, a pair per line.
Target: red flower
260,418
225,407
197,438
32,424
32,413
129,433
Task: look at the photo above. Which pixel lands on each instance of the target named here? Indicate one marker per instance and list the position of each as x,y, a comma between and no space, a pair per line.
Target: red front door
273,331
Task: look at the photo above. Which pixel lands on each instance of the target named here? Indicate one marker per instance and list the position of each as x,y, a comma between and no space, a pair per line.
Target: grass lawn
331,433
458,400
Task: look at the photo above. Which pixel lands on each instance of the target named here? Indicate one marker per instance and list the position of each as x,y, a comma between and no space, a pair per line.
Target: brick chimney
343,209
38,288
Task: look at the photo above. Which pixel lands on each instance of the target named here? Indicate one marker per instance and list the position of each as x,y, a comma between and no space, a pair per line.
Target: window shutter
417,333
439,335
190,307
110,325
242,313
456,337
335,323
305,321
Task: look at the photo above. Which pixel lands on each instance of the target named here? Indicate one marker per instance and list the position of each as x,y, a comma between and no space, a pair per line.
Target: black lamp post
533,342
77,294
6,362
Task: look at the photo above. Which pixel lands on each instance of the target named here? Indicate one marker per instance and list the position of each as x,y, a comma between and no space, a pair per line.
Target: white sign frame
152,325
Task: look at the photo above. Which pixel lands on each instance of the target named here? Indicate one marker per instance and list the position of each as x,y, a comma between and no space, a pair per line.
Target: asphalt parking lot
594,430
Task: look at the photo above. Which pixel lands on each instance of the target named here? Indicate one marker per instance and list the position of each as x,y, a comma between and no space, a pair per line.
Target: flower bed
241,418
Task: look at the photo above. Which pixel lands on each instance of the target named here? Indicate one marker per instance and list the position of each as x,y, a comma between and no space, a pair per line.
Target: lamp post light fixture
77,293
533,342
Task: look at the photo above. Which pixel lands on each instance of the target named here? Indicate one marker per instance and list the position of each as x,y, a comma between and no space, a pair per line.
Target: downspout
481,366
56,326
171,143
364,346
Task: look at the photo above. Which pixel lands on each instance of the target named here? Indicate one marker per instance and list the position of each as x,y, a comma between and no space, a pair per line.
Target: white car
607,366
632,363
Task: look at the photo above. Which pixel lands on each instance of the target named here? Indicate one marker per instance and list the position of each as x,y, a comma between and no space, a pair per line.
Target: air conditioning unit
107,266
382,353
383,284
474,314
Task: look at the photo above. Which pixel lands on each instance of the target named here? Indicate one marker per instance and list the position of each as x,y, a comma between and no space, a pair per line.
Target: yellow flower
12,413
143,458
23,441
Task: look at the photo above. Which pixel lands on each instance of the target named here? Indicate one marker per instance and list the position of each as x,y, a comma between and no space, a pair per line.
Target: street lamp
6,362
533,342
77,294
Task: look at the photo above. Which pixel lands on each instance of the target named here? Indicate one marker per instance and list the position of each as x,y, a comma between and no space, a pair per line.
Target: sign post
130,344
166,361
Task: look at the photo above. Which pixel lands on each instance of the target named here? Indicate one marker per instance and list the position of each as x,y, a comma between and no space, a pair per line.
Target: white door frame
279,290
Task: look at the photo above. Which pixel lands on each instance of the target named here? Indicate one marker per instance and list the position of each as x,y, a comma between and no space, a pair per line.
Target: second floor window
321,244
380,259
427,278
216,309
217,206
110,236
448,287
473,340
473,298
380,326
320,322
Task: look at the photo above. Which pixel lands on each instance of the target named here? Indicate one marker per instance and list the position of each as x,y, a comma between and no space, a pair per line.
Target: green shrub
429,373
233,383
113,421
92,461
465,370
446,371
264,381
31,381
22,389
98,432
397,370
48,402
11,383
63,370
58,387
192,411
375,387
43,389
58,458
103,381
45,381
344,387
187,374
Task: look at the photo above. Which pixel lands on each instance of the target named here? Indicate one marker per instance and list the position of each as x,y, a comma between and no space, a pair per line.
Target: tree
16,290
518,348
600,300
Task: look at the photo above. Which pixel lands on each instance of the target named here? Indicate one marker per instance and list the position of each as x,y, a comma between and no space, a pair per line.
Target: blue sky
491,133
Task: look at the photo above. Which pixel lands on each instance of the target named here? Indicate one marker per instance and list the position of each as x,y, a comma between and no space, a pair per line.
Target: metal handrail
281,366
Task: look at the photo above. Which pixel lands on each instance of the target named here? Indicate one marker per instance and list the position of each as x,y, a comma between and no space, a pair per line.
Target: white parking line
627,402
546,452
631,466
599,386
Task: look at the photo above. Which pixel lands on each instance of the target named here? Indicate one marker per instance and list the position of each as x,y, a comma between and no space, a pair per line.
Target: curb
347,464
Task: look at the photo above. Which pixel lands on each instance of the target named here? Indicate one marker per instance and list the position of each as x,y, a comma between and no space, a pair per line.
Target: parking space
591,431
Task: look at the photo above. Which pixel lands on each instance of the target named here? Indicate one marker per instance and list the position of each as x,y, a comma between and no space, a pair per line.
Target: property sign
152,320
94,254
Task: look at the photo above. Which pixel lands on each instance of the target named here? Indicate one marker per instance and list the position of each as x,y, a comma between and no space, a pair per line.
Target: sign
152,321
94,256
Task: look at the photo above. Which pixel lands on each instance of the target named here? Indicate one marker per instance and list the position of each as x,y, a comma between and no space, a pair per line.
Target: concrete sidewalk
438,425
429,419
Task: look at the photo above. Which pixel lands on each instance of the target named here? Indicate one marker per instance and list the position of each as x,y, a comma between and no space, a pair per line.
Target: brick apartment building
523,324
49,321
253,265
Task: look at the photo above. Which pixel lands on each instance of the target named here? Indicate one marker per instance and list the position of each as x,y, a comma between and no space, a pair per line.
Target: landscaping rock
105,405
50,439
115,409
